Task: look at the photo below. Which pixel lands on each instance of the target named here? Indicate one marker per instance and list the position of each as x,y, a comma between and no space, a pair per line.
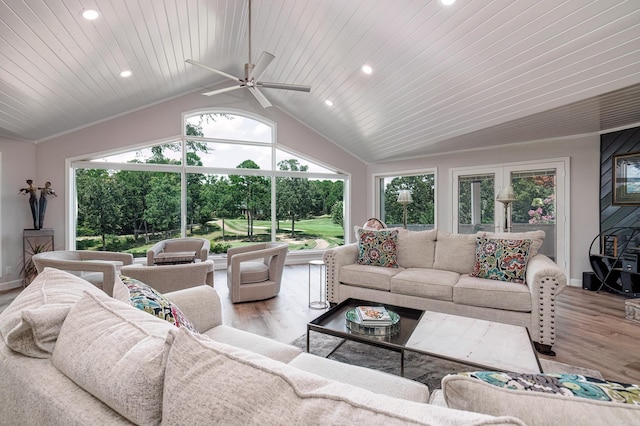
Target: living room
555,120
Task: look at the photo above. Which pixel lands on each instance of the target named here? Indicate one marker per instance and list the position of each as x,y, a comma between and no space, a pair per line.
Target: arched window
226,179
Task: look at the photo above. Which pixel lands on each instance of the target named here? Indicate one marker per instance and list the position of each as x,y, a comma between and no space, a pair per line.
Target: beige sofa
433,274
72,355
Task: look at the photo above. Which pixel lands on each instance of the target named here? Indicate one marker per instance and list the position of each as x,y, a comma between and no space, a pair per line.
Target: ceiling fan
252,74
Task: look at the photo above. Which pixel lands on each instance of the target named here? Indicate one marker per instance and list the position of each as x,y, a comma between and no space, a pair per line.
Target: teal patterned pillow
501,260
149,300
378,248
570,385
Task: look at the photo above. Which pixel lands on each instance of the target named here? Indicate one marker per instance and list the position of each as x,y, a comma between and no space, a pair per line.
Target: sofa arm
545,280
334,259
200,304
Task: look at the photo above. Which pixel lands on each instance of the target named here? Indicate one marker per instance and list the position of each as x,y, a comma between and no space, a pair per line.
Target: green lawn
307,236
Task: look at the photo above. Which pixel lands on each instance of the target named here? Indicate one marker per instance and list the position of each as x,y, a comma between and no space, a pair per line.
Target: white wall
18,165
46,161
164,121
584,154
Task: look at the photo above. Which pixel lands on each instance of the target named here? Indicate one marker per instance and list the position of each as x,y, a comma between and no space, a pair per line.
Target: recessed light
367,69
328,102
126,73
447,2
90,14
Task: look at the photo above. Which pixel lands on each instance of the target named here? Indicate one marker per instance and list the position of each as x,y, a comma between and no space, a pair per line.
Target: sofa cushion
117,353
252,272
31,323
485,293
536,237
416,249
542,399
366,378
218,381
147,299
368,276
455,252
253,342
429,283
378,248
501,260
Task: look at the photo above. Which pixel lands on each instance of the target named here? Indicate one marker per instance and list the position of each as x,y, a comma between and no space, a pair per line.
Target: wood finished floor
592,331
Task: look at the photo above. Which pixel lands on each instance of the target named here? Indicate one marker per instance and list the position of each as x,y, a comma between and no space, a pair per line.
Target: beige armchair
98,267
172,277
197,246
254,272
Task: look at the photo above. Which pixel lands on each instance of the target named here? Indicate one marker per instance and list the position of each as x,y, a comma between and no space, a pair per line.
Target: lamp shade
506,195
404,196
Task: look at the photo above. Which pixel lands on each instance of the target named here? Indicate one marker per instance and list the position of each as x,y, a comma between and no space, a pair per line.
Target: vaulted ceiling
445,78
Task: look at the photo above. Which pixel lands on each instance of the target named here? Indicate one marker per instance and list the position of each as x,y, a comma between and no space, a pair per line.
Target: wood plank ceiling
471,75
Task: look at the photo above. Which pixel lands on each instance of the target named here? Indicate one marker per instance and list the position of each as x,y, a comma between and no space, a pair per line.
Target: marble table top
491,345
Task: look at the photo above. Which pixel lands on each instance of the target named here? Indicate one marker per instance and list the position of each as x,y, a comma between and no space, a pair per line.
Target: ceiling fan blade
226,89
263,62
296,87
222,73
260,97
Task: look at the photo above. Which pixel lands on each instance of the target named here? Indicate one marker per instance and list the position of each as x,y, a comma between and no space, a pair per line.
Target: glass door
540,200
476,203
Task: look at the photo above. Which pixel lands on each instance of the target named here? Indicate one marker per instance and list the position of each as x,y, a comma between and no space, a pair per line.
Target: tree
163,202
218,200
134,185
99,198
337,213
251,193
294,196
422,191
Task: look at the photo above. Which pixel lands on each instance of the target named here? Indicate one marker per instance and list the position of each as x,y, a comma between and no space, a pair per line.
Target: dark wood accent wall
622,142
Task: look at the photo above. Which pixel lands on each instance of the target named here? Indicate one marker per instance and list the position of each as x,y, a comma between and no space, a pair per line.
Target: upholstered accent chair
170,278
180,250
254,272
197,247
98,267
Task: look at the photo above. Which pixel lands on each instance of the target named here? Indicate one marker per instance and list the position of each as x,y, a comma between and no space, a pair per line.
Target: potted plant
29,271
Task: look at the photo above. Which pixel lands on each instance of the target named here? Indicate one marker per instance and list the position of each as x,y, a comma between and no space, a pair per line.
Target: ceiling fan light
367,69
90,14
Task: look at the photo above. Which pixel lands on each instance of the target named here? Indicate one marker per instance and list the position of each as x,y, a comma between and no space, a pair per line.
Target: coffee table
486,345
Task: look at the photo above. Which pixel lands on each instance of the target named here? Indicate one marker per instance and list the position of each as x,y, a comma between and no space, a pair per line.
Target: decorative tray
353,324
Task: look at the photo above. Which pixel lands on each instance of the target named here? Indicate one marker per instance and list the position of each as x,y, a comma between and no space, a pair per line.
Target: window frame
184,169
378,178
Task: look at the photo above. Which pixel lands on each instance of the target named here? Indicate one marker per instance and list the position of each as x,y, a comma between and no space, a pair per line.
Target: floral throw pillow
501,259
149,300
570,385
378,248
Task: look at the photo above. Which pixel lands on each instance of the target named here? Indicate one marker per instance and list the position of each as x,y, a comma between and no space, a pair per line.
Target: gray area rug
422,368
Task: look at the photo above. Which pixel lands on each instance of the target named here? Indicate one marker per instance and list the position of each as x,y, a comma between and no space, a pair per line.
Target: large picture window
421,209
226,180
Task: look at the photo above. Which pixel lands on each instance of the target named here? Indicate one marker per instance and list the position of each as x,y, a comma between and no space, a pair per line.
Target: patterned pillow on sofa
544,399
378,248
149,300
501,260
571,385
